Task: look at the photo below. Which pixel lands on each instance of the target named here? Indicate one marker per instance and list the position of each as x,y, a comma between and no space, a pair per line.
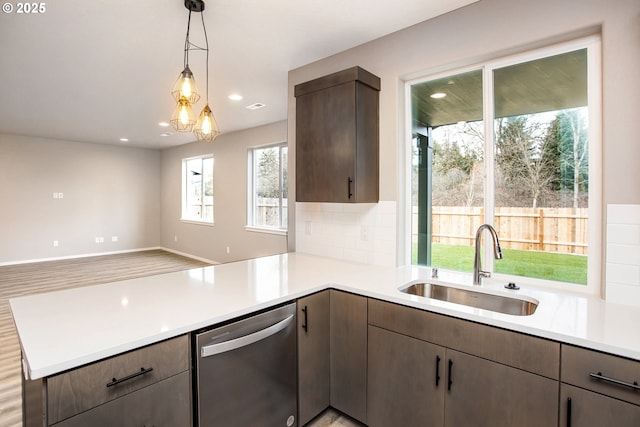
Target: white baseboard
190,256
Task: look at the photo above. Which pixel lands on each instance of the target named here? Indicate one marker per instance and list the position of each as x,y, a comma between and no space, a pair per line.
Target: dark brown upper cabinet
337,138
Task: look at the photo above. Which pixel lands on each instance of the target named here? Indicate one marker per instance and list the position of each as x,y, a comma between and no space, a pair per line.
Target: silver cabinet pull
246,340
599,376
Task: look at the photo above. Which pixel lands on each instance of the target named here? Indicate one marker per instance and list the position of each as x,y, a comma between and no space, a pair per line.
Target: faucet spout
478,273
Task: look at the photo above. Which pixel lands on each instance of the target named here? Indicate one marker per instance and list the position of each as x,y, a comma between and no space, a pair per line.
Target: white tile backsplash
362,232
623,254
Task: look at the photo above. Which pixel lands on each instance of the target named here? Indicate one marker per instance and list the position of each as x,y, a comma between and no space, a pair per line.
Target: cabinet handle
142,371
599,376
569,412
349,182
304,322
437,370
449,374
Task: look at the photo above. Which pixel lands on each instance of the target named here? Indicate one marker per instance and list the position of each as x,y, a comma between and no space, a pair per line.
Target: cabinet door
482,393
326,144
166,403
406,381
582,408
313,356
348,345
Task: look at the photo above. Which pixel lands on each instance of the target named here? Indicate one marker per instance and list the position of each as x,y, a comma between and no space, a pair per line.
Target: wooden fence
542,229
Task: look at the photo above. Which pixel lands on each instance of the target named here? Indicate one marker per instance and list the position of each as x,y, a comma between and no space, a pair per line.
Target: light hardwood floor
27,279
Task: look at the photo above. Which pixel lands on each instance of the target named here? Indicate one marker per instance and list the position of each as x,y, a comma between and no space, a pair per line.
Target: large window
267,192
510,143
197,189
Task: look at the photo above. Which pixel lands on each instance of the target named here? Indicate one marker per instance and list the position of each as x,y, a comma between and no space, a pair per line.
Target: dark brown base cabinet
145,387
332,354
415,382
314,372
598,389
166,403
406,385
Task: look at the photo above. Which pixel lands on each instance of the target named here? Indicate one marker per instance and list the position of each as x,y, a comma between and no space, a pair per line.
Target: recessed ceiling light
163,124
235,97
255,106
438,95
124,139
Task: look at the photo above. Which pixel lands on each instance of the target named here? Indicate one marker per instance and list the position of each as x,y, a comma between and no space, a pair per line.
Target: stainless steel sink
498,303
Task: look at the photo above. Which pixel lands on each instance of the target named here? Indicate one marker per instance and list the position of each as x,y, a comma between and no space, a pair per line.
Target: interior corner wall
108,192
491,29
210,242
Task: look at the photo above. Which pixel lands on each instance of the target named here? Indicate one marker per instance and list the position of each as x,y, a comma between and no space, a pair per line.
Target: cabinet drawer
520,351
166,403
579,363
84,388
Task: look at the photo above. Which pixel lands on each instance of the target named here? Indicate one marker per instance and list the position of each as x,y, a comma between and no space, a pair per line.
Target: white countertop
66,329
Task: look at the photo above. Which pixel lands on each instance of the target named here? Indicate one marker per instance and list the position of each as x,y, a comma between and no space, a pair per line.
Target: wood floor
29,279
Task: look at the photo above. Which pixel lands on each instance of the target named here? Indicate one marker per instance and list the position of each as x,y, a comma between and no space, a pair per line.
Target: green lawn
542,265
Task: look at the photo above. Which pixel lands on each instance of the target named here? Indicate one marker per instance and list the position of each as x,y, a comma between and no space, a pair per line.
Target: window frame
595,110
251,190
185,188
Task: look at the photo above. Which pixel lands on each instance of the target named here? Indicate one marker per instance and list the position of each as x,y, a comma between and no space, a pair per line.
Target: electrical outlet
175,238
228,250
55,243
114,238
364,233
307,228
99,239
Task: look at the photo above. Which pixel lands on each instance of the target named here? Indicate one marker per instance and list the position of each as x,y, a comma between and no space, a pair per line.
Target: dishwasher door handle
223,347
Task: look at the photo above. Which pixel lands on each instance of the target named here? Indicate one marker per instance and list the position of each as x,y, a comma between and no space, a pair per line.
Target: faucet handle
434,273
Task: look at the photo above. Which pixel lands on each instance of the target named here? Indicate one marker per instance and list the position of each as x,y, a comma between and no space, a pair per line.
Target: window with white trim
267,192
197,189
514,143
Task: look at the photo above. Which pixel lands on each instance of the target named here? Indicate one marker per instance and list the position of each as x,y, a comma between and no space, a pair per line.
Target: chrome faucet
478,273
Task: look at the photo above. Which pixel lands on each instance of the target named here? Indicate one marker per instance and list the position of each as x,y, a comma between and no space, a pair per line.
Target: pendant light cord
206,40
187,44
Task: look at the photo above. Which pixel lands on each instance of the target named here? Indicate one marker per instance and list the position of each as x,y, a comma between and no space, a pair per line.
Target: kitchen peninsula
63,330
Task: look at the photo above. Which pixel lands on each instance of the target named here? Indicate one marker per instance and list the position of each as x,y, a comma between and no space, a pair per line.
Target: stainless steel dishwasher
246,372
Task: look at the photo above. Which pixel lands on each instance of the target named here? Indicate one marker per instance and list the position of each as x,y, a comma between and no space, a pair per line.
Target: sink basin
470,298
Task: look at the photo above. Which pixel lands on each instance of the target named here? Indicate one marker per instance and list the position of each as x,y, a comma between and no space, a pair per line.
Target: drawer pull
599,376
142,371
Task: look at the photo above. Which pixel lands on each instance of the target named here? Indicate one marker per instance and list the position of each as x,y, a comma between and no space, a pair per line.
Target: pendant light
182,118
185,91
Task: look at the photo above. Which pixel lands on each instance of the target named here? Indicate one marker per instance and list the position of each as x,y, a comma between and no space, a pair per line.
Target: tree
268,178
522,160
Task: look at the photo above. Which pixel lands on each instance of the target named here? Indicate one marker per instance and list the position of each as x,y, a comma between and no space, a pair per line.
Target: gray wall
490,29
230,195
107,191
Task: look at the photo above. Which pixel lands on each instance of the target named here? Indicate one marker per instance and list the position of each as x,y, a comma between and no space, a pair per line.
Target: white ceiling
100,70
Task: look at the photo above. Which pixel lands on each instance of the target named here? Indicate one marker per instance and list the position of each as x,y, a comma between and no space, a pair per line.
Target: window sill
195,222
268,230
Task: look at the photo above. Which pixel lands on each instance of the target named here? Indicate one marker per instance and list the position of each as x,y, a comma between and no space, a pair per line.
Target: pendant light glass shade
186,87
206,128
183,118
